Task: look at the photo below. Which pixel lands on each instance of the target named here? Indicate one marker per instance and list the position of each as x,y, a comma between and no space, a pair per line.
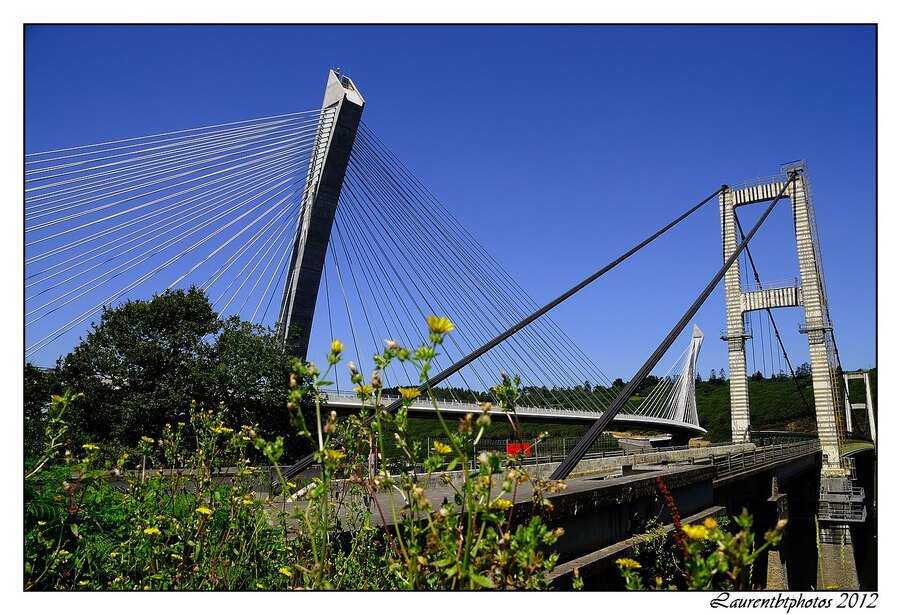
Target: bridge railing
735,463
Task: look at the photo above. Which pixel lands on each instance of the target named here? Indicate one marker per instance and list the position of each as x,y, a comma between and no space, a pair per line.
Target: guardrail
735,463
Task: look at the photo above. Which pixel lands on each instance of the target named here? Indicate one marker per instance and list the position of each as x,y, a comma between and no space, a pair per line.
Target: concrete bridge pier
776,563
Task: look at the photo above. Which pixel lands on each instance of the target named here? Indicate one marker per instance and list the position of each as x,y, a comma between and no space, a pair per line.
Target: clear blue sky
558,147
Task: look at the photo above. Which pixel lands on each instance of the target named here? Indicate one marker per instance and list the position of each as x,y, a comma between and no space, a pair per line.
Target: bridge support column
341,113
818,329
734,319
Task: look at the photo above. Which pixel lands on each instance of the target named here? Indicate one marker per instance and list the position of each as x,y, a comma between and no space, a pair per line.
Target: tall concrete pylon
809,294
341,112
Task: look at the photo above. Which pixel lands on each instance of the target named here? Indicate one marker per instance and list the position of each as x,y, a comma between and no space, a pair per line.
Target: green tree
146,361
138,367
246,370
39,385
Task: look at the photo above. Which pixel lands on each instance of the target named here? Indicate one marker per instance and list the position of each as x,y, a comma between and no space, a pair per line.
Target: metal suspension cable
378,224
221,153
459,272
244,248
381,223
568,464
82,317
204,203
383,300
282,267
162,134
236,235
620,399
548,329
197,143
280,241
448,272
83,192
137,246
223,184
273,152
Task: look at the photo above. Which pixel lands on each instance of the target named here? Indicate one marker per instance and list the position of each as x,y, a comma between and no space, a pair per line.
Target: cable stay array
213,207
398,255
219,207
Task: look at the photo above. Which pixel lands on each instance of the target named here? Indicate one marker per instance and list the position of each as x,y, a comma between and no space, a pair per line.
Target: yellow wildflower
439,325
247,502
709,522
627,562
501,504
285,571
90,447
441,448
409,393
42,523
203,510
337,347
148,440
113,554
83,582
176,556
150,531
334,455
221,430
363,390
62,552
695,532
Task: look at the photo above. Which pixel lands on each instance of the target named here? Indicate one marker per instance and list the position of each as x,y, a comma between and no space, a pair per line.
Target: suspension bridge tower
839,502
341,112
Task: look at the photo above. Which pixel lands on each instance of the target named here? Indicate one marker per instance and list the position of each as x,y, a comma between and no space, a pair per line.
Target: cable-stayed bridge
308,223
235,209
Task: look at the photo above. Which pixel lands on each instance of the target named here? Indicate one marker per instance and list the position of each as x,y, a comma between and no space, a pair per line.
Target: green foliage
712,557
186,525
144,364
39,386
775,404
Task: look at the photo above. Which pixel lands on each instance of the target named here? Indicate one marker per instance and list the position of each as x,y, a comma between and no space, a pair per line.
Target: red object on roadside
521,450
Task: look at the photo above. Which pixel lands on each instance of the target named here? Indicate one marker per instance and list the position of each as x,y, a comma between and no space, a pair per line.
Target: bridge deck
341,402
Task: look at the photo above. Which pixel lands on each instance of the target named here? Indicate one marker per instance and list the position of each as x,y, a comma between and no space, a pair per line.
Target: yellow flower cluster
203,510
695,532
152,531
409,393
628,563
441,448
334,455
501,504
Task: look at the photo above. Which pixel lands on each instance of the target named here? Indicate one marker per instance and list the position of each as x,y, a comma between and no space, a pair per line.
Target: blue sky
558,147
